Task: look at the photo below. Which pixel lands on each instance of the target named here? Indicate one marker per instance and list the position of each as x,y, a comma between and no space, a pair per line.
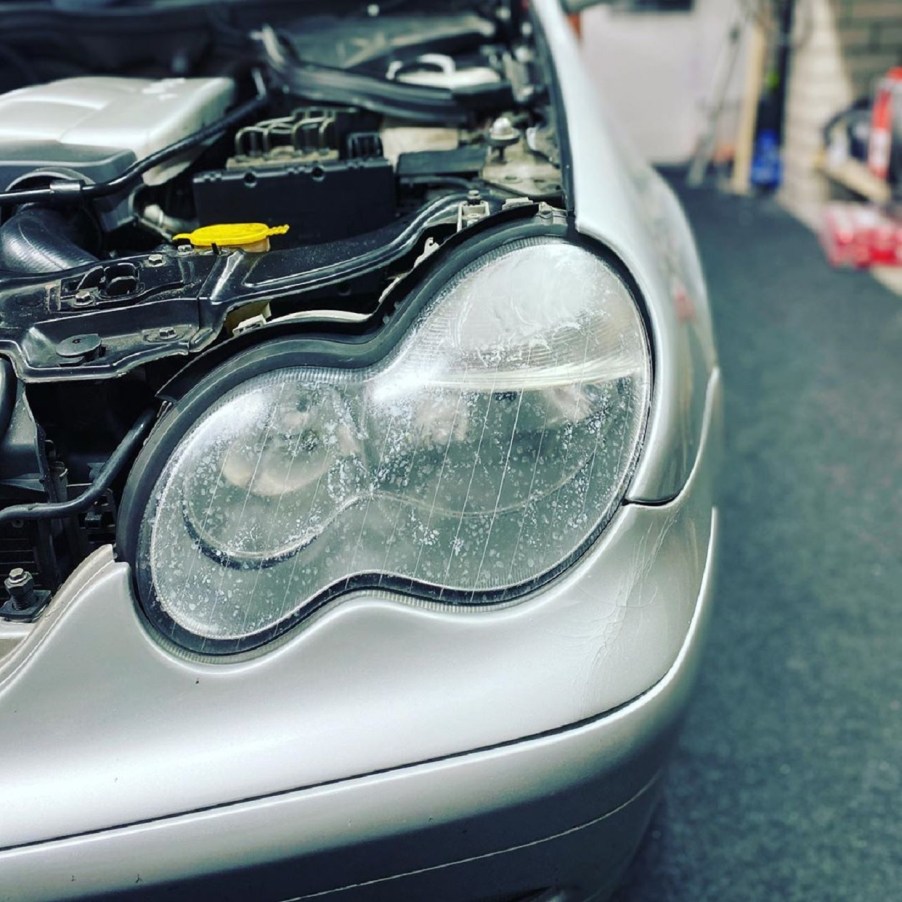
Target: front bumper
389,750
564,811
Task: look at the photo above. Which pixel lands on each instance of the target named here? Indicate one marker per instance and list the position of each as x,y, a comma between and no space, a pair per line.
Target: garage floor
788,784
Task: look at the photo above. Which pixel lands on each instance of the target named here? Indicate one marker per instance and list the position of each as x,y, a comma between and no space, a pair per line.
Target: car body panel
423,831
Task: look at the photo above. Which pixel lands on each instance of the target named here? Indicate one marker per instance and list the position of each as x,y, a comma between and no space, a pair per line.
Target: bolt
83,296
156,260
502,135
20,585
167,332
503,130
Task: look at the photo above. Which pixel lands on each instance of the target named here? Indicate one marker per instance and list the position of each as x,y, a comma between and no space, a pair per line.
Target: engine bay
356,140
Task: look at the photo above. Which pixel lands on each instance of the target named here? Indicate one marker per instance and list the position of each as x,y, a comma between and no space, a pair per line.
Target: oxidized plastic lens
482,454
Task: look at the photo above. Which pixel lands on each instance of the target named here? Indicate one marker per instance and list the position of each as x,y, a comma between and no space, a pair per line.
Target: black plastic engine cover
319,201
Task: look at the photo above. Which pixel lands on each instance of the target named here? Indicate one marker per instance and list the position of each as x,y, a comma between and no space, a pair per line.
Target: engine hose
419,103
64,191
40,240
53,510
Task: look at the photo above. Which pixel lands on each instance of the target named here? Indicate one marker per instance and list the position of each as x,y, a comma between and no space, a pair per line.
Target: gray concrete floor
788,782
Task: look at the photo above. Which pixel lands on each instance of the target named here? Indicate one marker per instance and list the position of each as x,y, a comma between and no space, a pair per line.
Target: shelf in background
856,177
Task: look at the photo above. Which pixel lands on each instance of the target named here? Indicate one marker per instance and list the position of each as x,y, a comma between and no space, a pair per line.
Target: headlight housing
478,455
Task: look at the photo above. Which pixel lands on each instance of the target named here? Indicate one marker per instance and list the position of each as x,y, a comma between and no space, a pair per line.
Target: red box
861,235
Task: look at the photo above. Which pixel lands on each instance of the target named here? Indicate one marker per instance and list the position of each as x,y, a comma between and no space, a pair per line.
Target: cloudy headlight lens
481,455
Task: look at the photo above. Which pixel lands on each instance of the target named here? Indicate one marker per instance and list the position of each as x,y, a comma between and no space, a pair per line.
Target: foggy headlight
480,455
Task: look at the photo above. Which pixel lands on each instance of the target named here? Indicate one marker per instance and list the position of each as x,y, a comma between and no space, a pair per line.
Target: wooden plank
748,116
855,176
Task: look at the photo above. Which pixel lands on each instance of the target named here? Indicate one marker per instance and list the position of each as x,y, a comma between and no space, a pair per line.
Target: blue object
767,168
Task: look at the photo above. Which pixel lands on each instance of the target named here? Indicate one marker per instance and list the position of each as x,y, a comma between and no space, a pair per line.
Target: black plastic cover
319,201
466,160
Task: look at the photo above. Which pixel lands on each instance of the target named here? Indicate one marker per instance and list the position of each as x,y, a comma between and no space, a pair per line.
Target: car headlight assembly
470,451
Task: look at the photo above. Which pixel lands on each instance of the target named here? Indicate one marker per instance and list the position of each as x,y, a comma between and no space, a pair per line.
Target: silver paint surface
595,770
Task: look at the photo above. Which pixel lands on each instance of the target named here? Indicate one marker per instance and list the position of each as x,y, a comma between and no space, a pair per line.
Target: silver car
360,415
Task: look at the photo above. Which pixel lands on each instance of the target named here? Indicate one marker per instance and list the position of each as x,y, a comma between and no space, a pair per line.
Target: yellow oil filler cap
252,237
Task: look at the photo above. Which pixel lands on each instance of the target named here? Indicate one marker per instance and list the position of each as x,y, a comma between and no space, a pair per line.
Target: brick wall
870,36
845,45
